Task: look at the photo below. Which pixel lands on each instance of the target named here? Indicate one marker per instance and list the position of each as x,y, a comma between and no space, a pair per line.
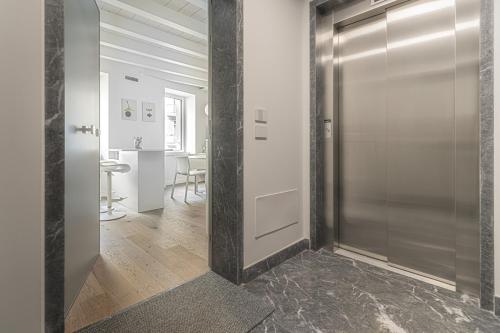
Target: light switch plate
328,128
261,116
260,132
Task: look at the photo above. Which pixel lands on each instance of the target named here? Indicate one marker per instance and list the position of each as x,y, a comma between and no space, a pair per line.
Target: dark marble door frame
486,163
226,160
54,166
486,115
226,133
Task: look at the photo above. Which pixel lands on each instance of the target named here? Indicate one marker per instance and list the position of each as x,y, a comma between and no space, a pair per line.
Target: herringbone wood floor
142,255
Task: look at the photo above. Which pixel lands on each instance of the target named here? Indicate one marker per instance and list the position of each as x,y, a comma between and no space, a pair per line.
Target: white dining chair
183,167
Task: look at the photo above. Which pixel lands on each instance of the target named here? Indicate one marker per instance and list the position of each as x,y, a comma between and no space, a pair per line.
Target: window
174,123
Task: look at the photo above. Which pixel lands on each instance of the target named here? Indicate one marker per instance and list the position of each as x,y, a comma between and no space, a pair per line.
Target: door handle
84,129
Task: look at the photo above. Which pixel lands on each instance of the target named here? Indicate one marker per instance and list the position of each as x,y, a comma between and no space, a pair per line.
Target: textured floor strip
206,304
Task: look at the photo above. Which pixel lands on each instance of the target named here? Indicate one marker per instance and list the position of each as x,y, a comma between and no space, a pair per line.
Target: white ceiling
187,8
164,37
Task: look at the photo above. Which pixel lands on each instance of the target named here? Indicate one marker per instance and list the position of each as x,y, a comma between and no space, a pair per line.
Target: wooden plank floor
142,255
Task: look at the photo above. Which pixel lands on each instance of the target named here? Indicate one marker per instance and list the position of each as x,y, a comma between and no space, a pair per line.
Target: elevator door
363,152
397,145
420,137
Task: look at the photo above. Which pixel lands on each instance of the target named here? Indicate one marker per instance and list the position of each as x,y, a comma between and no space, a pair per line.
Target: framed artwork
148,112
129,109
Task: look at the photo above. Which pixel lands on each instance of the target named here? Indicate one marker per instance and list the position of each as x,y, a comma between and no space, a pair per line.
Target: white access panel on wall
274,212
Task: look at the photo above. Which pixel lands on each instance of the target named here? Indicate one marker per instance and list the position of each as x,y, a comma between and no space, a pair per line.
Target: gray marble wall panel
263,266
486,156
54,166
316,140
226,93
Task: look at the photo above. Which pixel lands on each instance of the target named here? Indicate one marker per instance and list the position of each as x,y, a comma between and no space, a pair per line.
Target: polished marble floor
325,292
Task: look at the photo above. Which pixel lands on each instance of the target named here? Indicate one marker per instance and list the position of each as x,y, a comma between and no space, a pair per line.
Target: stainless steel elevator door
362,139
420,137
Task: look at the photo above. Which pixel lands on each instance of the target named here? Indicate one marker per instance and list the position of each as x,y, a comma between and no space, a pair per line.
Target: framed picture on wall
129,109
148,112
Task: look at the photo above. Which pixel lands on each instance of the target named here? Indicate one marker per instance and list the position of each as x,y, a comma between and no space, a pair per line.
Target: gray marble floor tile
324,292
270,325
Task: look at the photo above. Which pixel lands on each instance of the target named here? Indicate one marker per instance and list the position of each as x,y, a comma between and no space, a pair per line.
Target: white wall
104,113
276,67
306,125
497,149
201,121
21,167
122,132
148,89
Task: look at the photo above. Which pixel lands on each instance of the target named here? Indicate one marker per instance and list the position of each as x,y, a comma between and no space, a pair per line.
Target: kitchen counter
143,186
139,150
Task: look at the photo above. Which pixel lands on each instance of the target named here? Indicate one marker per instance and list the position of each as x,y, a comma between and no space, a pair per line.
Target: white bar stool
104,207
109,167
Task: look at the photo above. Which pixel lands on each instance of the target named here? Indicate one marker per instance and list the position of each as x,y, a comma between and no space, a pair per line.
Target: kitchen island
143,187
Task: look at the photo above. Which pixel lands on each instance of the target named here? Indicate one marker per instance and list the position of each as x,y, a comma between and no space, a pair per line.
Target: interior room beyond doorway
153,146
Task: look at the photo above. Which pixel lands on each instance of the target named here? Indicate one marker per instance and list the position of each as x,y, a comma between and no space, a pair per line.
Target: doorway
149,144
408,138
226,137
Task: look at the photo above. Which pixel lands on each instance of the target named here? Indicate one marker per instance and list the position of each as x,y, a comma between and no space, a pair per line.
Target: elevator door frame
467,275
